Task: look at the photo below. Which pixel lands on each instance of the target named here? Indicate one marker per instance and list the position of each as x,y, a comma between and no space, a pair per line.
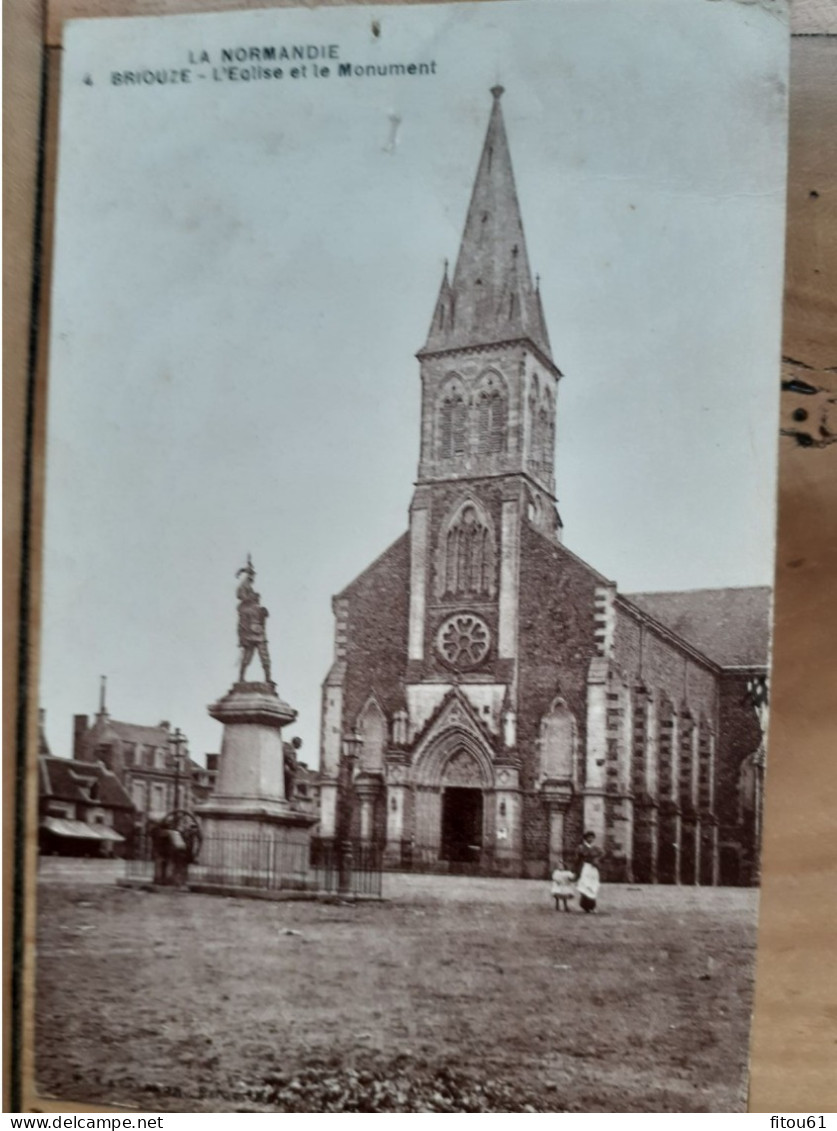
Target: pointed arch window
372,727
542,434
534,397
542,424
453,421
492,416
548,435
558,744
466,560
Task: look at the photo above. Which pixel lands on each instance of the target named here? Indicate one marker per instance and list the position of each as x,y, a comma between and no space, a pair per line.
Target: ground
456,994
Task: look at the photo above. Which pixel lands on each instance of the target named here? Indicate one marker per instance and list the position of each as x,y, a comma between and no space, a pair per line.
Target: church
504,696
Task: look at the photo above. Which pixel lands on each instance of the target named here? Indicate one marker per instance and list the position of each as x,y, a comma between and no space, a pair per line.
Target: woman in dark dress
587,876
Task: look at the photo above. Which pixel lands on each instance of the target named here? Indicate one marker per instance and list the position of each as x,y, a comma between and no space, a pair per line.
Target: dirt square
454,994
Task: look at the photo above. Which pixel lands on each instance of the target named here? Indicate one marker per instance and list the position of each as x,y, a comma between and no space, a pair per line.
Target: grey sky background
243,273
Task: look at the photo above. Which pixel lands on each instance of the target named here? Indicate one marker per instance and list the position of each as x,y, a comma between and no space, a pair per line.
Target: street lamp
349,754
177,740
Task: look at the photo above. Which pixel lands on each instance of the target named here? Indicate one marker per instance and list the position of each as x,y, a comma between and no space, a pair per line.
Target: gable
454,713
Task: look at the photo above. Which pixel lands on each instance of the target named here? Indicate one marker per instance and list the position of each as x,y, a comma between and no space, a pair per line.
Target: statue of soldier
245,591
252,623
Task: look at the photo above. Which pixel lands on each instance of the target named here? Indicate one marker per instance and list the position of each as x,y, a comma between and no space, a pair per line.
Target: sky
244,270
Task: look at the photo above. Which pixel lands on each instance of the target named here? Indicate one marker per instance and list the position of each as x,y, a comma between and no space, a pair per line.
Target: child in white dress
563,889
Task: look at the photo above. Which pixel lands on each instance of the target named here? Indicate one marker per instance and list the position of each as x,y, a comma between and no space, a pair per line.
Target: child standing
562,888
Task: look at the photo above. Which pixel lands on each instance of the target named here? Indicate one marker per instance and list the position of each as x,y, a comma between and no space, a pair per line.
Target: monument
252,832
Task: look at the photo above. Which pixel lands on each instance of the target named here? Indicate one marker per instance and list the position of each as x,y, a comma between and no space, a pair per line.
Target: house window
158,799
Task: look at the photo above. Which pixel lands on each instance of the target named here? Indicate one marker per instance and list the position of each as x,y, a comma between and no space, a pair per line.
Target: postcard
411,462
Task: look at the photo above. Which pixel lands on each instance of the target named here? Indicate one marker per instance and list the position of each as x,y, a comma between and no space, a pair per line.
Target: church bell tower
486,464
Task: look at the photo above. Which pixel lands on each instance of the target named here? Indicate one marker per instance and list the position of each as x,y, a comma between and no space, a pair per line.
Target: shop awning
79,830
107,833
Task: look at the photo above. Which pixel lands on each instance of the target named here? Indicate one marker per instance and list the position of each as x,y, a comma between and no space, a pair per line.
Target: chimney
79,735
43,745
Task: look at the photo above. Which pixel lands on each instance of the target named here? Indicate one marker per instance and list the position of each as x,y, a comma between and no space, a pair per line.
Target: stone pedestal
251,833
328,808
508,826
557,795
396,802
368,787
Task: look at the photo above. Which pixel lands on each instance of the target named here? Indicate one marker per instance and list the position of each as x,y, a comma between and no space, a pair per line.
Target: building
505,694
151,762
82,807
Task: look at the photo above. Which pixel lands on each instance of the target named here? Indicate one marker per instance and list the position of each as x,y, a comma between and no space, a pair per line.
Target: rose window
463,640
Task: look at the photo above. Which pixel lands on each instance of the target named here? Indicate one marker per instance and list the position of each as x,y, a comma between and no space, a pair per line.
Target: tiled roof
65,780
730,626
132,732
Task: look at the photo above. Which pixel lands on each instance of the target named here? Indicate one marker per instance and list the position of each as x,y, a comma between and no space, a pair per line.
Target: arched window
466,558
535,509
491,415
558,744
534,399
548,434
542,451
453,419
372,727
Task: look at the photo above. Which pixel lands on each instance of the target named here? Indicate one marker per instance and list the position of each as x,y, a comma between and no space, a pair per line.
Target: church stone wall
643,655
376,634
557,642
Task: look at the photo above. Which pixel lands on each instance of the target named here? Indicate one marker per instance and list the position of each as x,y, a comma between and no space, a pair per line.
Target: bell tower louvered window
453,421
492,416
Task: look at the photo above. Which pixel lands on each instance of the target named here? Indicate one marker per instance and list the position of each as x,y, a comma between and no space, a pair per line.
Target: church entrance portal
461,827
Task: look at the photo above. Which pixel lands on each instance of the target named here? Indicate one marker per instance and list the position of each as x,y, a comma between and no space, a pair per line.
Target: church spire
491,297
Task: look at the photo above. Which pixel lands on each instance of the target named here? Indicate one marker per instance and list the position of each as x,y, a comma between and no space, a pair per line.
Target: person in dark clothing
587,876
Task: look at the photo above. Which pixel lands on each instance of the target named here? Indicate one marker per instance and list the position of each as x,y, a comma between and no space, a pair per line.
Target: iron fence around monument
261,863
359,862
